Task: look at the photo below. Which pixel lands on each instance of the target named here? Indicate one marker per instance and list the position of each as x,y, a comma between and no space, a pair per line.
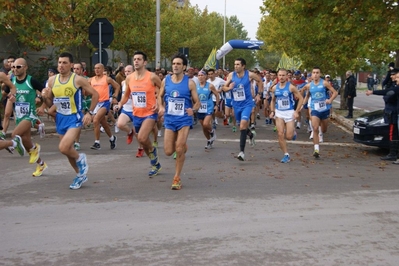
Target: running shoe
234,129
274,129
176,184
113,143
154,170
76,146
174,155
130,137
78,182
225,122
2,135
96,146
116,129
34,154
295,136
252,140
159,133
258,116
321,138
155,144
286,159
41,130
213,125
9,149
241,156
140,153
213,136
252,127
298,125
208,145
82,165
40,169
311,135
230,120
216,121
20,146
316,154
102,130
154,156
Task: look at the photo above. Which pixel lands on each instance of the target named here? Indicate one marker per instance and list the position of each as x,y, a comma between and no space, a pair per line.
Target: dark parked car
370,129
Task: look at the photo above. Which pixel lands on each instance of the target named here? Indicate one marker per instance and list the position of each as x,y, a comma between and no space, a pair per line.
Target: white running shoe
42,133
321,138
241,156
116,129
311,135
102,129
159,133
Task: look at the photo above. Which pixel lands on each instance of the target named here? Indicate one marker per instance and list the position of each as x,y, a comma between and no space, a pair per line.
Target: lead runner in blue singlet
283,110
239,83
178,101
320,106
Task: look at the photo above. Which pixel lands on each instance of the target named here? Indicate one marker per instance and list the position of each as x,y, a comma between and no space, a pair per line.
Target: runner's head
78,69
99,70
316,72
179,63
128,70
282,75
239,65
65,63
139,60
19,67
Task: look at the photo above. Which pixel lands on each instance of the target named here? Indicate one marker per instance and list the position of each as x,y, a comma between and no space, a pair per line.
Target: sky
247,11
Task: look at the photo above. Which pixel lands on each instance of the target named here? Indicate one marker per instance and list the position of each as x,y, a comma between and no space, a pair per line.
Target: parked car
370,129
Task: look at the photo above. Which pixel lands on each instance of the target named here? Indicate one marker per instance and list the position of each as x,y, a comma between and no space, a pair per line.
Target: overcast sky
247,11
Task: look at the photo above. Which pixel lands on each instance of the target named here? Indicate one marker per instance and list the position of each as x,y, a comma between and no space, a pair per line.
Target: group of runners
148,100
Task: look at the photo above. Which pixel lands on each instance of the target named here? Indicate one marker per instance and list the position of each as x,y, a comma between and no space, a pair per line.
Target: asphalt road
339,210
367,103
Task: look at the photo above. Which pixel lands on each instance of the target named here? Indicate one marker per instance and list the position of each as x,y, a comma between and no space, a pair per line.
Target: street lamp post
224,33
158,36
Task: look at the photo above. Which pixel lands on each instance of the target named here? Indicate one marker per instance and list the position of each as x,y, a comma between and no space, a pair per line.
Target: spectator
387,83
350,92
370,82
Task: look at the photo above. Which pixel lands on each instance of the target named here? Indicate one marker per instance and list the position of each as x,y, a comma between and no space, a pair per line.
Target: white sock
316,147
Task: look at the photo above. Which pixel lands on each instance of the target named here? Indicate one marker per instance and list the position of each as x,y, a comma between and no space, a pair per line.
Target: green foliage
335,35
64,24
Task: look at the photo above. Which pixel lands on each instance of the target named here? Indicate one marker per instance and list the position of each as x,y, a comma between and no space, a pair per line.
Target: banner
238,44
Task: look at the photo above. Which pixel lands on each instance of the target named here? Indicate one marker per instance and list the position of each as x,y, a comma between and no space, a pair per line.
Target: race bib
139,99
63,105
283,103
203,107
228,95
239,95
21,109
320,106
176,106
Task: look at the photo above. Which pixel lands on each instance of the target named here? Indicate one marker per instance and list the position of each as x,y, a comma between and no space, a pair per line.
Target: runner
320,106
9,145
282,108
100,83
205,92
175,99
26,112
65,92
239,82
143,87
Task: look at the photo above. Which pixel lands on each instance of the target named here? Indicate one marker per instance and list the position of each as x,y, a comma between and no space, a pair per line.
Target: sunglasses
18,67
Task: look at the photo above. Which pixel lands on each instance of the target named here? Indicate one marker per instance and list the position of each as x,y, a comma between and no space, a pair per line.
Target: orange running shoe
176,185
140,153
130,137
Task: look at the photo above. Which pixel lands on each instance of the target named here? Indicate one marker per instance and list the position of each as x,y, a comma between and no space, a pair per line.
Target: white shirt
217,83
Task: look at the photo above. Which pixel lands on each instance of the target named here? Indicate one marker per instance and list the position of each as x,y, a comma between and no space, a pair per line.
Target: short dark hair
316,67
211,69
66,54
273,72
12,57
242,60
182,57
141,53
